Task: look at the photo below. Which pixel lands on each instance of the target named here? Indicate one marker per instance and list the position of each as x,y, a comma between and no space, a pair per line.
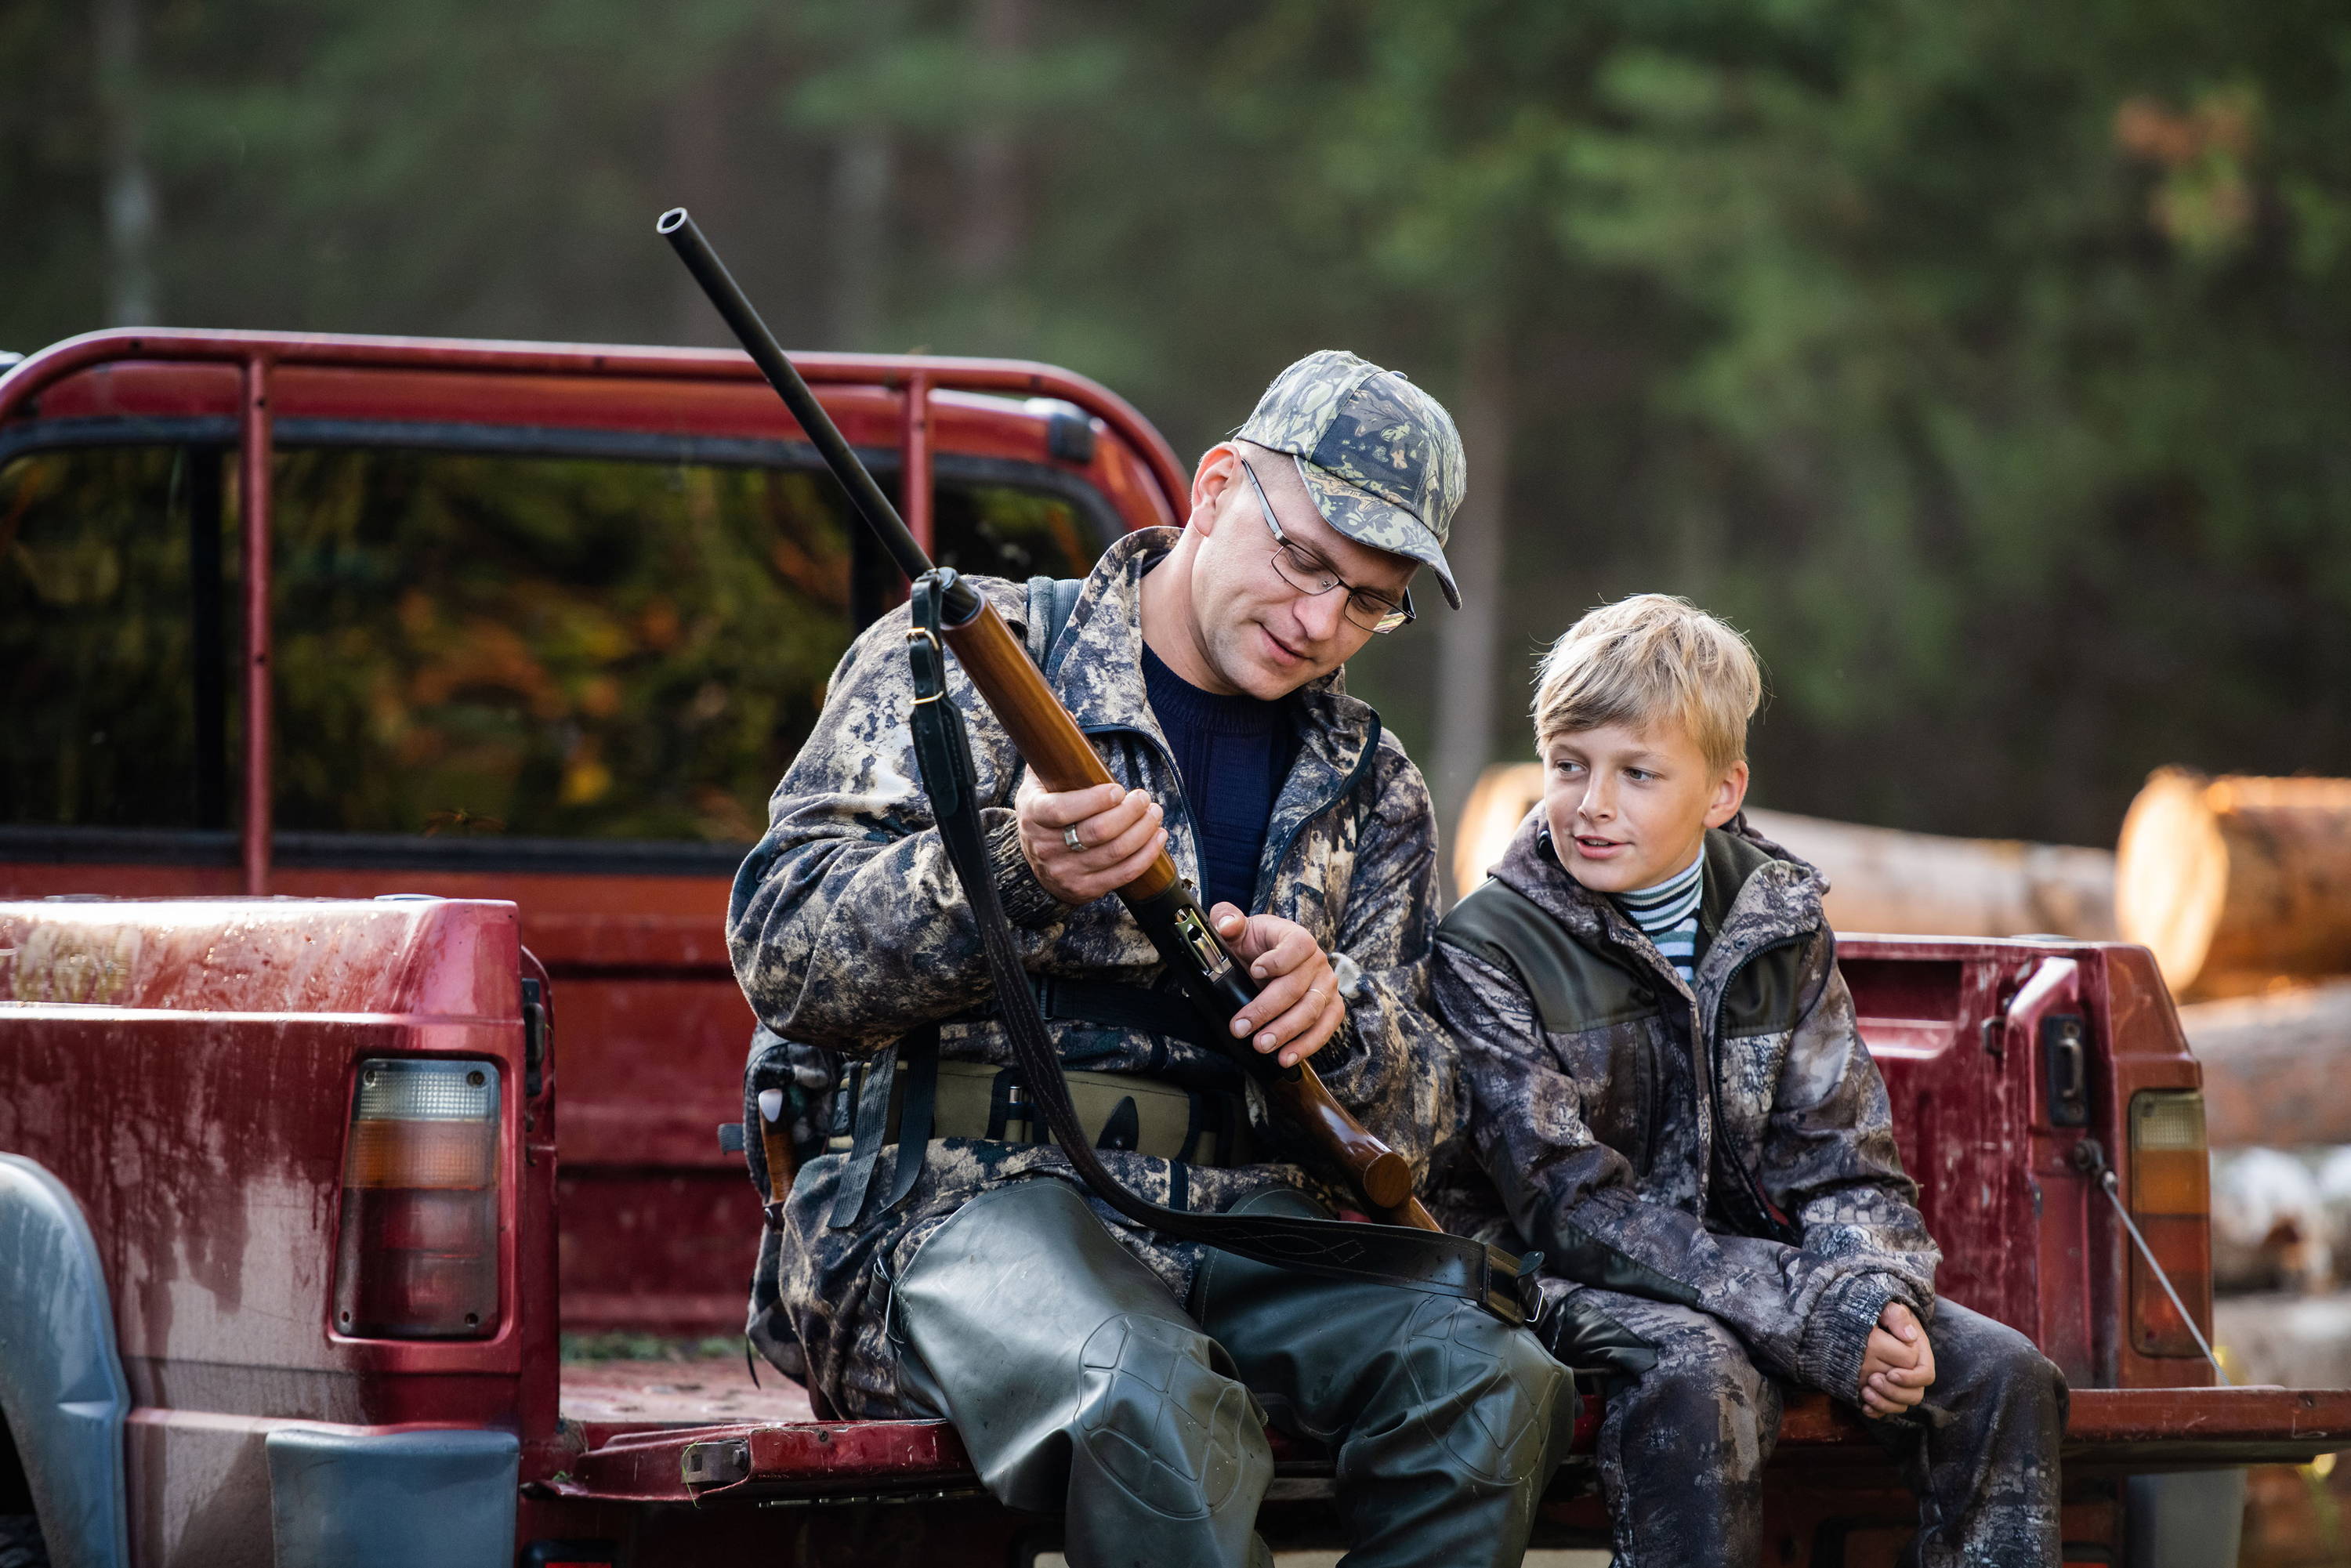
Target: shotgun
1058,752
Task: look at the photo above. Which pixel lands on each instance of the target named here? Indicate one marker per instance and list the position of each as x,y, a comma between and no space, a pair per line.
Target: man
1091,1365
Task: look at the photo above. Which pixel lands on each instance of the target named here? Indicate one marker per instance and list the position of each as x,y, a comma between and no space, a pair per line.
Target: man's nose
1599,802
1321,614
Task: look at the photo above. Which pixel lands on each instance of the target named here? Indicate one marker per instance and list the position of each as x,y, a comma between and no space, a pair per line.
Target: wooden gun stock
1058,752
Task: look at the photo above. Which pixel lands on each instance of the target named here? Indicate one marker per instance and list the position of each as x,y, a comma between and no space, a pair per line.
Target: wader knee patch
1175,1435
1494,1382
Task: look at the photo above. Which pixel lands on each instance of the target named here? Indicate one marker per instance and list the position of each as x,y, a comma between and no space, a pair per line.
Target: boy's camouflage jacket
848,929
1727,1146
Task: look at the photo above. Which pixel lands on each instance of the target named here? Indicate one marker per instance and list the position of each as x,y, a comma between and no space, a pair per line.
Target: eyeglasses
1372,612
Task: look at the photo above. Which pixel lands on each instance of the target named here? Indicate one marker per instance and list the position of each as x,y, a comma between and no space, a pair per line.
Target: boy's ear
1729,796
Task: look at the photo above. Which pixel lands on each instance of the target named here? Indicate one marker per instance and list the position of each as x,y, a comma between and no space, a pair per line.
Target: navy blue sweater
1233,752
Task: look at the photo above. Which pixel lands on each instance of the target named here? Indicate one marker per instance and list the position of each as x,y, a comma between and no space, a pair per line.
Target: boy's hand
1117,833
1300,1008
1899,1365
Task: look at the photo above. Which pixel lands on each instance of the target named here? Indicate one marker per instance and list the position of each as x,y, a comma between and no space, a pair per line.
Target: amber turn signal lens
421,1154
2170,1198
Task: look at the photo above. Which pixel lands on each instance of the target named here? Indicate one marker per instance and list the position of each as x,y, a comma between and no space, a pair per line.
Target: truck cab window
469,644
1006,530
118,639
476,645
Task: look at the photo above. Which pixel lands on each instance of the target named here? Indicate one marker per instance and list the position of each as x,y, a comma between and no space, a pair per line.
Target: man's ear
1220,471
1729,796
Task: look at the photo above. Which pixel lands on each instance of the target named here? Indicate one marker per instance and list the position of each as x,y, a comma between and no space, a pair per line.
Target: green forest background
1991,363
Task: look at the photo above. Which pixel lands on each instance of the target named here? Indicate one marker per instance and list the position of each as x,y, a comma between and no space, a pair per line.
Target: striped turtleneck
1668,914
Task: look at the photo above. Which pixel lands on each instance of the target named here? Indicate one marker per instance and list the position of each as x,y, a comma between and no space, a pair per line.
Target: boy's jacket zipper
1776,1224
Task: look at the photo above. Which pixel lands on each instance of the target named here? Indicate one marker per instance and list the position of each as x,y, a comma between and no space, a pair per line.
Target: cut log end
2232,882
2171,873
1500,800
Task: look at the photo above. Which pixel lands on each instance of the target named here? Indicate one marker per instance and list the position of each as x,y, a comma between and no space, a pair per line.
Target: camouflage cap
1379,455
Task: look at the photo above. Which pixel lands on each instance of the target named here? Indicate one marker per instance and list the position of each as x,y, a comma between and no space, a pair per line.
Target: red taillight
418,1256
2170,1198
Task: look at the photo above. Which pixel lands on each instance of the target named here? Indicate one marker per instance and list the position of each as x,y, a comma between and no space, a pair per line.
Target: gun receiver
1058,752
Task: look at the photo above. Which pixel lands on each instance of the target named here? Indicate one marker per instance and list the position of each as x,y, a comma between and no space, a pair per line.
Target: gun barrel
677,226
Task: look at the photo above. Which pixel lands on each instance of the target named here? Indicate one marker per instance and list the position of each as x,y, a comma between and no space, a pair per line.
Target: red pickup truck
374,704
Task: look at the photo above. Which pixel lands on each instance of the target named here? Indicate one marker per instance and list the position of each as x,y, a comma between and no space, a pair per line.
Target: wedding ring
1069,837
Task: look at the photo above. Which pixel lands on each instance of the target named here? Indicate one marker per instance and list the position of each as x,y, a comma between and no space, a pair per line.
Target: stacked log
2242,888
2275,1100
1880,879
2233,882
2277,1068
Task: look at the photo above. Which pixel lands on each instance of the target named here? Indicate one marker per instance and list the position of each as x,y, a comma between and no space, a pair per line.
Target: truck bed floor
698,1393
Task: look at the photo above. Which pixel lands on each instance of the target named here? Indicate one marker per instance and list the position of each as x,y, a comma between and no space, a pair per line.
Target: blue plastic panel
344,1500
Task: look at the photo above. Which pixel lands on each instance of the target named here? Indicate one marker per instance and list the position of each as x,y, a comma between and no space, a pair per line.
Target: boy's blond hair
1649,658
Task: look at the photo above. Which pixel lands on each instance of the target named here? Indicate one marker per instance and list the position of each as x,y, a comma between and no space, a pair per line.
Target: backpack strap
1050,601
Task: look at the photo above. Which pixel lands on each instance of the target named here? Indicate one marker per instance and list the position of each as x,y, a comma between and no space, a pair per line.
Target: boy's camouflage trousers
1682,1450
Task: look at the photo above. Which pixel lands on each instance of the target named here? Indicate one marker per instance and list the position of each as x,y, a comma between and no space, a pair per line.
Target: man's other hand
1298,1007
1899,1363
1086,843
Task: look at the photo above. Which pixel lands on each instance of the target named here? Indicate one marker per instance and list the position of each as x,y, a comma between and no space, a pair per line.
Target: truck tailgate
640,1448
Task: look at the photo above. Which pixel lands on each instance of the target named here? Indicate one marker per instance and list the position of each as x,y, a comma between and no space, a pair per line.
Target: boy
1673,1105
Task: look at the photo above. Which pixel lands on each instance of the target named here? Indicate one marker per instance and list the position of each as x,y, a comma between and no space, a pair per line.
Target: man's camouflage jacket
1727,1145
848,929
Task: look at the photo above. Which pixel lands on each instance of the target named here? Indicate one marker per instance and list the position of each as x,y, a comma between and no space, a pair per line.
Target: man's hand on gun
1898,1366
1088,842
1298,1006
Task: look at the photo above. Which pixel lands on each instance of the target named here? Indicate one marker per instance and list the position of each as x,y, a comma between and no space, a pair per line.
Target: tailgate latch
720,1463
